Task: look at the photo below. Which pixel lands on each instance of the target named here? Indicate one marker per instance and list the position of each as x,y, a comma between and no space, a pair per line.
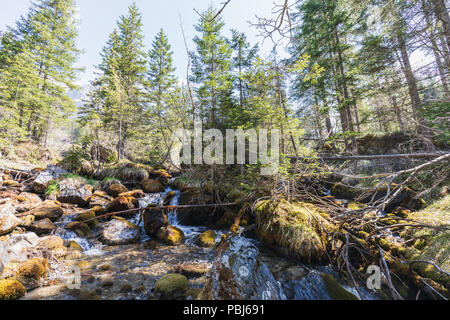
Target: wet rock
335,290
47,209
120,231
135,194
237,274
11,184
107,284
17,247
99,199
126,288
45,177
8,221
193,270
152,186
27,201
99,211
33,273
104,267
81,229
168,198
197,216
154,219
41,227
170,235
133,172
171,287
162,175
11,289
85,295
85,216
54,245
74,191
74,246
115,189
206,240
122,204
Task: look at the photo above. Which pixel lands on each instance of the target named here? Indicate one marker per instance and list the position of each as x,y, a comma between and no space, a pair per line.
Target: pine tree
211,69
42,46
119,86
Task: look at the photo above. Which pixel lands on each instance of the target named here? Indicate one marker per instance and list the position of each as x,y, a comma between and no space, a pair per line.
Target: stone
45,177
48,209
99,199
152,186
171,286
138,194
122,204
53,244
193,270
206,240
8,221
120,231
41,227
81,229
154,219
238,274
11,289
170,235
27,201
32,273
115,189
74,191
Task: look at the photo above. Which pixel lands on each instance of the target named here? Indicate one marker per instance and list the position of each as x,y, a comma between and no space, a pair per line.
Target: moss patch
11,289
172,286
335,290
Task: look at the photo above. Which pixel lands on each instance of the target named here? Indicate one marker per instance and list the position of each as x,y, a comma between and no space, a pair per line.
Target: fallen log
20,173
375,157
160,208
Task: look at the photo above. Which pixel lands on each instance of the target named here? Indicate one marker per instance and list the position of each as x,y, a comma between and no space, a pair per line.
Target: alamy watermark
234,151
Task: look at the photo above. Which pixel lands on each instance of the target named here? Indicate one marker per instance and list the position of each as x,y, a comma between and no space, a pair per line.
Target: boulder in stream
115,189
122,204
41,227
8,221
99,199
26,201
120,231
33,272
170,235
47,209
45,177
74,191
171,286
238,274
152,186
154,219
11,289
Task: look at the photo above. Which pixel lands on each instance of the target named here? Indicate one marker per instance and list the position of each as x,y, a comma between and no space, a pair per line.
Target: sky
98,19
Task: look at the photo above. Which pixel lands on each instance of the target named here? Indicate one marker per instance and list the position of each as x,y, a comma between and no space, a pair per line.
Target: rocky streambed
54,246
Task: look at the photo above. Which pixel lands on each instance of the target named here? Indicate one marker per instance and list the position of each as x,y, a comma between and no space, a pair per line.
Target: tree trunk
443,15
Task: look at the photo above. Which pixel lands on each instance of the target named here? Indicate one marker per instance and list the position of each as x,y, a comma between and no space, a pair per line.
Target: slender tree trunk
398,113
443,15
436,50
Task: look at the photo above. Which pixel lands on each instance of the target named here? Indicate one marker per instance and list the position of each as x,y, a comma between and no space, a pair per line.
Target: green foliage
52,188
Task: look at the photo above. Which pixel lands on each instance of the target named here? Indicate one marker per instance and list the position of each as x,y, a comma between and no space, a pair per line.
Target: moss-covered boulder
74,191
11,289
335,290
85,216
122,204
115,189
206,240
170,235
171,287
81,229
33,273
298,229
152,186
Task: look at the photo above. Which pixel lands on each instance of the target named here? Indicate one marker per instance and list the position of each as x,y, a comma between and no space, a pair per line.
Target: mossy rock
88,215
152,186
11,289
81,229
33,272
170,235
335,290
115,189
193,293
207,239
172,286
74,246
296,229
